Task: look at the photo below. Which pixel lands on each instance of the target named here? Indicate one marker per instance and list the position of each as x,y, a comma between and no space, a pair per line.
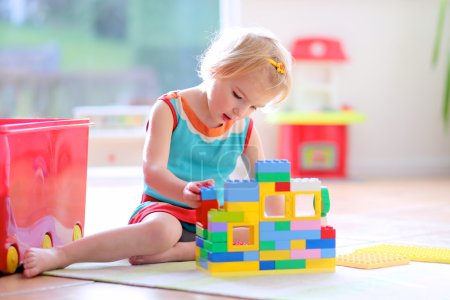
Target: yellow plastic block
233,266
266,188
241,206
414,253
370,260
321,263
265,272
298,244
251,217
275,255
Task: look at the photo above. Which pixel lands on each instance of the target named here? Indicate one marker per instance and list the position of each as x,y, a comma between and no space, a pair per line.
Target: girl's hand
191,192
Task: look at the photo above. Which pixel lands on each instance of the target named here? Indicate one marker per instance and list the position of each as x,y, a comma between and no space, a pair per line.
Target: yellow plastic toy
414,253
370,260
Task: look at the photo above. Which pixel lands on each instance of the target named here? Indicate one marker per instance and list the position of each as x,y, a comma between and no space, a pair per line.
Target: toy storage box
43,169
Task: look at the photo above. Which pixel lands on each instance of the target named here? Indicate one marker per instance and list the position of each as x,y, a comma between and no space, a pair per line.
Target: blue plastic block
321,244
251,255
208,193
199,242
273,166
289,235
241,191
203,263
328,253
225,256
267,226
268,235
241,183
305,234
283,245
267,265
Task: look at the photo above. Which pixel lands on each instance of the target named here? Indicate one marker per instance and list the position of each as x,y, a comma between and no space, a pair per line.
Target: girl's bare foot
38,260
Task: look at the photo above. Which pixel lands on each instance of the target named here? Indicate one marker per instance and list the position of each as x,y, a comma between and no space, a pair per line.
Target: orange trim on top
200,126
249,133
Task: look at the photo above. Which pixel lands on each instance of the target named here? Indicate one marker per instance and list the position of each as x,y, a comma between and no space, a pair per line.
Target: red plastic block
282,186
328,232
202,211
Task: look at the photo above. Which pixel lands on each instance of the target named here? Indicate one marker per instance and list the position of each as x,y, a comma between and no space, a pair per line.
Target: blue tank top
198,152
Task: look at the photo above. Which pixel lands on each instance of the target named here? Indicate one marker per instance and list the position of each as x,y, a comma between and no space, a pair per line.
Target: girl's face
236,98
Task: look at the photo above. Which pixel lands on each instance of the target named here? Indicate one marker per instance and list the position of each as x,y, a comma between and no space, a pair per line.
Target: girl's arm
253,152
155,159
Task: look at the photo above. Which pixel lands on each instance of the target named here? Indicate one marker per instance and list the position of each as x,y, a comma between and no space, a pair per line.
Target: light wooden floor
407,211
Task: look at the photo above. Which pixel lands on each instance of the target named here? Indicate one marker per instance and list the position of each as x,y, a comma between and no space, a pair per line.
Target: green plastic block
282,226
325,201
267,245
203,253
273,177
217,236
201,232
225,216
290,264
216,246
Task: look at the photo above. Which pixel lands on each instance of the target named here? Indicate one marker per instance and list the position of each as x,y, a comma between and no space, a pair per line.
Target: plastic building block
202,211
290,264
275,254
305,184
273,177
217,226
283,226
305,225
298,244
266,188
328,253
241,191
273,166
269,226
414,253
328,232
282,186
241,206
322,243
325,201
208,193
240,184
322,263
370,260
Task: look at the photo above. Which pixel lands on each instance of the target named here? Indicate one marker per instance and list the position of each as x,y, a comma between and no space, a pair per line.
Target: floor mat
413,281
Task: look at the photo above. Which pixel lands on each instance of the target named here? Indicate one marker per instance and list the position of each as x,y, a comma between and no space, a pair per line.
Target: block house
268,225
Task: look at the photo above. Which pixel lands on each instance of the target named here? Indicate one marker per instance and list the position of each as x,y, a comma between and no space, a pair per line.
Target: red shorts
185,215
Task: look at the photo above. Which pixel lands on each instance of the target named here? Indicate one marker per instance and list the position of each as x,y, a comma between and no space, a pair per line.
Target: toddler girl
194,138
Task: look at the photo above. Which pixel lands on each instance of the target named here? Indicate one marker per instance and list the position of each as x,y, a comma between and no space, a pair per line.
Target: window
304,205
275,206
243,235
58,55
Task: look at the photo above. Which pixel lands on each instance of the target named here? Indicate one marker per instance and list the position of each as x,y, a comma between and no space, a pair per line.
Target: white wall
388,77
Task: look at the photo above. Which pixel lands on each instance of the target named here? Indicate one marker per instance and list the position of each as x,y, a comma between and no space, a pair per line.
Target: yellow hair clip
278,65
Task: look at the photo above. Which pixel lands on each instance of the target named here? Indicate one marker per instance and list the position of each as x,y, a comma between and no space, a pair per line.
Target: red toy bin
314,150
43,170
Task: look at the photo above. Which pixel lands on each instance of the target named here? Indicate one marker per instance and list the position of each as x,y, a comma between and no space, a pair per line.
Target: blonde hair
241,51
